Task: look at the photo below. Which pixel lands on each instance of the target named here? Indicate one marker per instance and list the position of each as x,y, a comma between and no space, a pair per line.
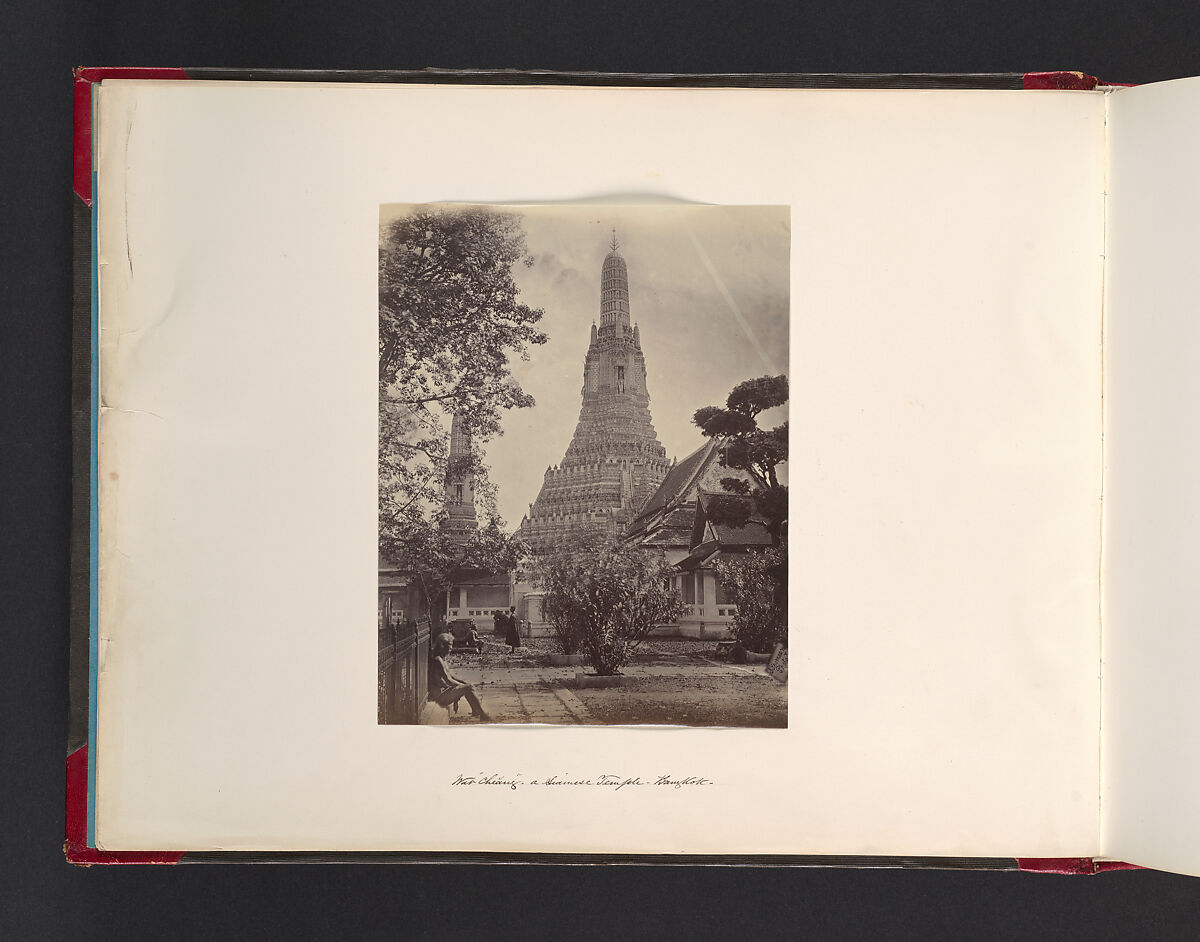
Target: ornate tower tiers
614,462
460,484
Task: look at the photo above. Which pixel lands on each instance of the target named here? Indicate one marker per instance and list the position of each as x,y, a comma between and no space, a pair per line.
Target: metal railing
403,671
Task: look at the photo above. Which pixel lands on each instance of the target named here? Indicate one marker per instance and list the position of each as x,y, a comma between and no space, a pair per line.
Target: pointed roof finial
614,244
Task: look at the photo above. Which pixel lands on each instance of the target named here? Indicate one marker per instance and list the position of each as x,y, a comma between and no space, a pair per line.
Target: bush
754,583
567,627
604,598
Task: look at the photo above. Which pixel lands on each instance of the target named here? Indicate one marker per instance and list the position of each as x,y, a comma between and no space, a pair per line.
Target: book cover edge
79,844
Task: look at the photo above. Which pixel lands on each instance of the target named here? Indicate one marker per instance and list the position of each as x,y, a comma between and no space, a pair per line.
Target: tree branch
417,402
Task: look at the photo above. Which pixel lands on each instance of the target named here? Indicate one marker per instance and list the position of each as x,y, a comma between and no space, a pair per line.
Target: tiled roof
700,555
677,480
754,533
681,516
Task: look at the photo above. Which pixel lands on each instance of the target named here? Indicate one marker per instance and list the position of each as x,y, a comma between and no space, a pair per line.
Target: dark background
41,896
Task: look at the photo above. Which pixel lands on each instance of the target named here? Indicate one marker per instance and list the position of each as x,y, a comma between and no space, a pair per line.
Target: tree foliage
753,583
748,448
436,554
450,320
568,631
757,581
450,314
604,598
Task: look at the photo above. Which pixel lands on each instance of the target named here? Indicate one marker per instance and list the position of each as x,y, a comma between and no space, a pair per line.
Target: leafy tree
757,580
751,581
605,598
450,319
435,554
748,448
559,609
558,570
449,313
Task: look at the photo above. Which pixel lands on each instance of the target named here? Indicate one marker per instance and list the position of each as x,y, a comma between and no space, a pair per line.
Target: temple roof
678,480
700,554
753,535
674,529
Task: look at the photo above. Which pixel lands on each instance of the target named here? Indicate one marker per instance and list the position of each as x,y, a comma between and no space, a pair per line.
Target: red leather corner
75,848
1075,81
1074,866
1104,866
83,80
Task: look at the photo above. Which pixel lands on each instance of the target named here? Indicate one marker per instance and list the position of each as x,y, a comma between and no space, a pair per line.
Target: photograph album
636,469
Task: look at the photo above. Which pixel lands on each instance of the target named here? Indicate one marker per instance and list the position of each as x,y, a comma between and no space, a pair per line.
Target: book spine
79,846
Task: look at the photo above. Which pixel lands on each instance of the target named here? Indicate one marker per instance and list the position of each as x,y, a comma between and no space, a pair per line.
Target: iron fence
403,671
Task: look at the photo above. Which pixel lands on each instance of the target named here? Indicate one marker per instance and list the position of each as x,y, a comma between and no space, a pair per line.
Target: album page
1152,462
917,272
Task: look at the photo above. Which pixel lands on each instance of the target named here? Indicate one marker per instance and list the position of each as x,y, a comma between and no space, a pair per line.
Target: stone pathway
522,696
528,694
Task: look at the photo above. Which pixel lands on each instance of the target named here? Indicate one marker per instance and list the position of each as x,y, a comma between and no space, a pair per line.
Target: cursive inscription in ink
606,780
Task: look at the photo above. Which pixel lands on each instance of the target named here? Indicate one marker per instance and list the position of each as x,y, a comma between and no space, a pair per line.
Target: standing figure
499,623
512,634
444,688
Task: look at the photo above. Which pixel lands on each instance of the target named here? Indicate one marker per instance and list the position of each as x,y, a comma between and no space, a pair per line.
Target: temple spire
614,290
614,460
460,438
460,481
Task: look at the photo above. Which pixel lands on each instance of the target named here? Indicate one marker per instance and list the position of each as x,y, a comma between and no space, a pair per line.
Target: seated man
444,688
466,638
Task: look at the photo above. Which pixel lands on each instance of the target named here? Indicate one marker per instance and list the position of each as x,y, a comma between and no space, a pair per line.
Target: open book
988,326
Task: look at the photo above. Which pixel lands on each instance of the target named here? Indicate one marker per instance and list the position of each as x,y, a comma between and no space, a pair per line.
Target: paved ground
678,683
682,700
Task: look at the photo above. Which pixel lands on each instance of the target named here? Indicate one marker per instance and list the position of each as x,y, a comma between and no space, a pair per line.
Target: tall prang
460,484
614,462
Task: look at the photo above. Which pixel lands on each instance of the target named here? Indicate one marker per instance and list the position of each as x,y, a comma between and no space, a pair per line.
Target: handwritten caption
614,782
